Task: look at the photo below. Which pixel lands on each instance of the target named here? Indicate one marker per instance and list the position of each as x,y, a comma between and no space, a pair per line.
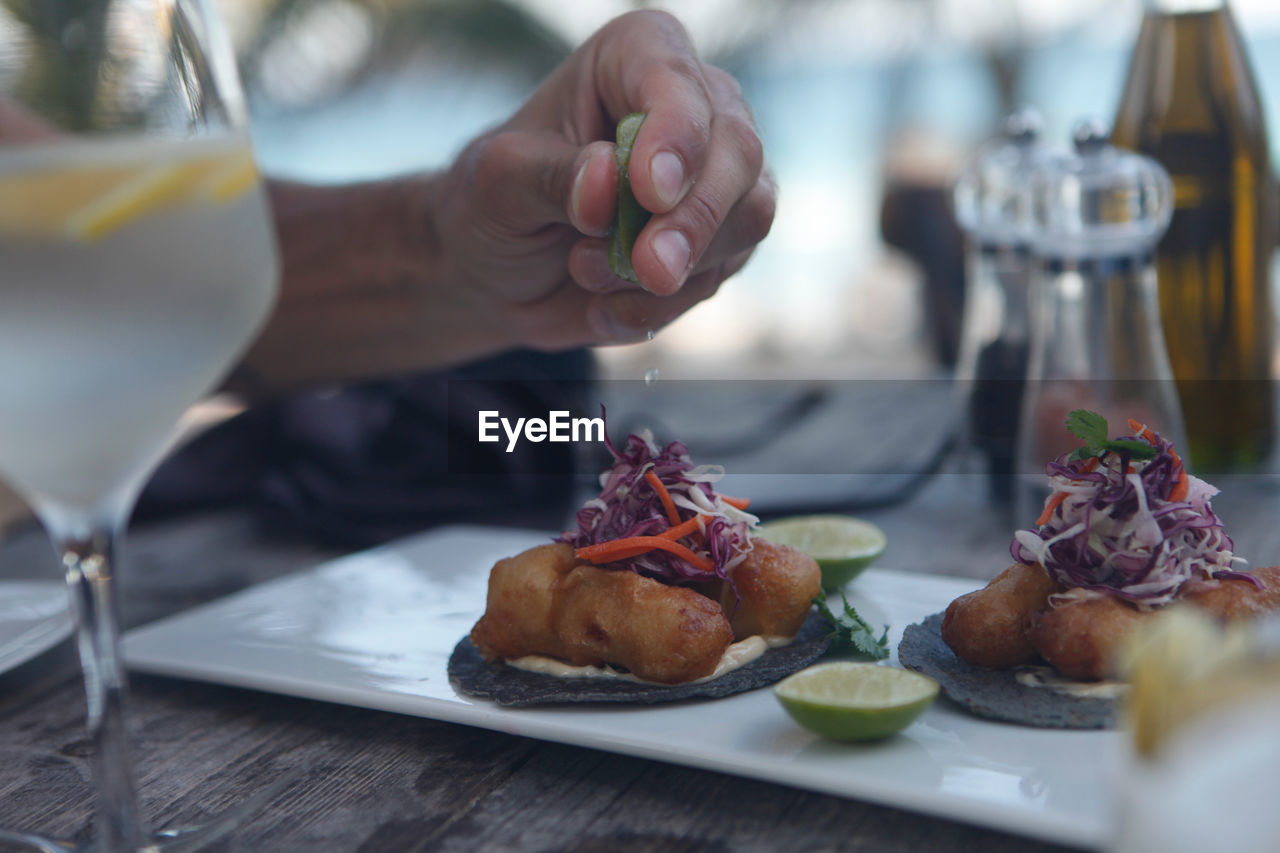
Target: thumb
529,179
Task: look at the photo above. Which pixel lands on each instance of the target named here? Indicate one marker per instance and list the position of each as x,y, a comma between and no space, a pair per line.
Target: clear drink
136,263
116,312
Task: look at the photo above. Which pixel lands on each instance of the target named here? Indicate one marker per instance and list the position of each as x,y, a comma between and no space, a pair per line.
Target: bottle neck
1177,7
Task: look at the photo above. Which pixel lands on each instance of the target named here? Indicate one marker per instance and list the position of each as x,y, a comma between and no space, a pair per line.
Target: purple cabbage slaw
629,506
1117,531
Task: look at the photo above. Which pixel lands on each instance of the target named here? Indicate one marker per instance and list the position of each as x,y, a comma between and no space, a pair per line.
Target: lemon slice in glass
90,201
842,545
131,199
849,701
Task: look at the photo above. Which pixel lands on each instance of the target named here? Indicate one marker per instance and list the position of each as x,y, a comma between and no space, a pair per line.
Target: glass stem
89,561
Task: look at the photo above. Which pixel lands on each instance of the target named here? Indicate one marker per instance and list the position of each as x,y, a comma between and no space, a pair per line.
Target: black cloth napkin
368,462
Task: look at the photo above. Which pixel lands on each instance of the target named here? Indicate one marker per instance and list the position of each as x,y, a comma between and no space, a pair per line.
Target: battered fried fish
523,590
1230,599
987,627
545,601
775,586
662,633
1081,636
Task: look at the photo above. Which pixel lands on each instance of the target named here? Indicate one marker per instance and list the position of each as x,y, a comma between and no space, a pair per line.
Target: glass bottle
993,206
1191,103
1096,339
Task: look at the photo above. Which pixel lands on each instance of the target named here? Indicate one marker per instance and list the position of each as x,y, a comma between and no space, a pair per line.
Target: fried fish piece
519,616
545,601
668,634
1082,635
775,586
1231,599
987,627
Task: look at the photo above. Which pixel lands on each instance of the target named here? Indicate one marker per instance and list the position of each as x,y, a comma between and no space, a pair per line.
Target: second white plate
34,617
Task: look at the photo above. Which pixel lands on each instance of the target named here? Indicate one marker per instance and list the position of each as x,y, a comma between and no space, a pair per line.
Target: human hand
523,214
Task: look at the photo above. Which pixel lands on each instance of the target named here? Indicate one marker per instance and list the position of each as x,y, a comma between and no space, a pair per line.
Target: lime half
842,545
844,700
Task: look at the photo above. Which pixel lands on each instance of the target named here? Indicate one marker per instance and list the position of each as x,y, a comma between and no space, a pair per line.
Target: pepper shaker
993,205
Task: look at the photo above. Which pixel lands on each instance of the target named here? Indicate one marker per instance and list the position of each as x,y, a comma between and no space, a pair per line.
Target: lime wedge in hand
849,701
842,545
630,218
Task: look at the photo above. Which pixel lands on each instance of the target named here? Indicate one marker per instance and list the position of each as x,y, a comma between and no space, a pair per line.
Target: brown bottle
1190,102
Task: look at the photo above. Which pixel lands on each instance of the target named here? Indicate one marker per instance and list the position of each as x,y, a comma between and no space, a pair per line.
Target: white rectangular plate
376,629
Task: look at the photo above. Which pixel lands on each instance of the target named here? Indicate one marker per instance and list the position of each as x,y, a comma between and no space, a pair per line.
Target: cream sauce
737,655
1049,678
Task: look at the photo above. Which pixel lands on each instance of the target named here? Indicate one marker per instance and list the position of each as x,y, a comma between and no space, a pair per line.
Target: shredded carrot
1181,486
1140,430
663,495
1050,506
1058,497
736,503
684,528
632,546
623,554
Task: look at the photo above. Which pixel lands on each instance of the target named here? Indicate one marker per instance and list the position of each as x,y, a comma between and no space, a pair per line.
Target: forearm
366,289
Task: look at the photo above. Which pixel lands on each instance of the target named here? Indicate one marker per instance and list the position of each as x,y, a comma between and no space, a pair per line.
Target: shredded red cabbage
628,506
1118,532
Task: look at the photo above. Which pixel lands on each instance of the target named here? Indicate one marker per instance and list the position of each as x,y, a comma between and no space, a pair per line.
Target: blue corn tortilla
510,687
996,693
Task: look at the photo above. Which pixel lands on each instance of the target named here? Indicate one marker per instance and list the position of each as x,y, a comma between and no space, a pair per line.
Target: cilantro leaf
1089,427
850,633
1135,449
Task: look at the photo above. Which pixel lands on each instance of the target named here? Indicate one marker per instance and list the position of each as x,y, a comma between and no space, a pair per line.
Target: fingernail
575,196
667,173
672,250
590,267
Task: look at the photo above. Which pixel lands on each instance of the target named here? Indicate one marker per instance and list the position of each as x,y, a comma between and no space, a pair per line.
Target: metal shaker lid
992,197
1099,201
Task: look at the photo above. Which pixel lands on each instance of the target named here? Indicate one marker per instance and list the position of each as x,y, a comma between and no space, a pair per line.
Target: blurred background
867,108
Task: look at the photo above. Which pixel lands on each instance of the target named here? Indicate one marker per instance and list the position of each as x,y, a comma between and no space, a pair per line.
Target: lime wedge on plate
842,545
849,701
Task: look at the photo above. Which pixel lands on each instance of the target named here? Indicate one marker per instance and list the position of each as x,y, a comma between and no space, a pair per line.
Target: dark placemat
511,687
996,693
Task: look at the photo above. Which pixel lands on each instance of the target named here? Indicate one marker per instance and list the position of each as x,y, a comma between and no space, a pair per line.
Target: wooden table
381,782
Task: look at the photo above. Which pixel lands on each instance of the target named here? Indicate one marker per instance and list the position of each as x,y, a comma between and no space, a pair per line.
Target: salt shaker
1096,337
993,205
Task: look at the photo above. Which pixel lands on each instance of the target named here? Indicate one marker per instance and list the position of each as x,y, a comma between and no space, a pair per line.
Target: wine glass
136,264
